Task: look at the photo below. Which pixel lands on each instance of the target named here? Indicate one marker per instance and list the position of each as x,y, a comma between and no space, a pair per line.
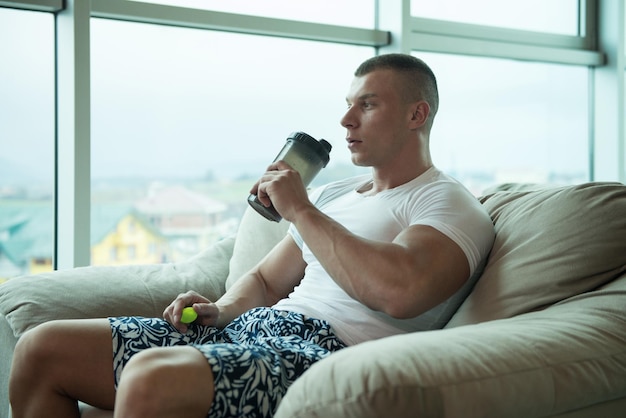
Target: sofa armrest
101,291
539,364
7,345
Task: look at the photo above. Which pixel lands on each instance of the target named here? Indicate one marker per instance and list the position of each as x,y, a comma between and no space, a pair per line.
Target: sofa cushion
101,291
550,244
256,236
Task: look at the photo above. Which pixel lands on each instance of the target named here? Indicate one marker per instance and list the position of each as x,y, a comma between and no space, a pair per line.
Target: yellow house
129,239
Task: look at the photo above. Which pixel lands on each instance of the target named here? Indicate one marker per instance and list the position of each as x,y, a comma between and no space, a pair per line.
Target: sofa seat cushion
550,244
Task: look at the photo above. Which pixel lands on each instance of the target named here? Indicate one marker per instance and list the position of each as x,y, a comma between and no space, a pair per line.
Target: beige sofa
543,333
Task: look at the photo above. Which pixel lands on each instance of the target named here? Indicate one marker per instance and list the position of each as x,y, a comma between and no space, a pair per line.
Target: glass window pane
355,13
179,135
26,142
510,121
554,16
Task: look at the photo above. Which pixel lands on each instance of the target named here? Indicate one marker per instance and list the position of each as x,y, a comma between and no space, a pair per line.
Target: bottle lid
322,147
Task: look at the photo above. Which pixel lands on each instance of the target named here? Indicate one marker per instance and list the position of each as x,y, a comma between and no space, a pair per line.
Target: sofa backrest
256,236
551,245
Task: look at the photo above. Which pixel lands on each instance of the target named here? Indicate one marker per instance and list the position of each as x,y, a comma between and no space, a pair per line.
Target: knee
34,350
161,379
33,358
143,385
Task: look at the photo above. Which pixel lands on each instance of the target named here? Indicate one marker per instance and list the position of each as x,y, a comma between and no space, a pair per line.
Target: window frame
35,5
468,39
231,22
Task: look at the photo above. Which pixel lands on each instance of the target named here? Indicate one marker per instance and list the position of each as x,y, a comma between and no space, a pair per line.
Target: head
391,105
417,81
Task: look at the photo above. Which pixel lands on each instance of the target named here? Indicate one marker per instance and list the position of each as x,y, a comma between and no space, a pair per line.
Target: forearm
248,292
271,280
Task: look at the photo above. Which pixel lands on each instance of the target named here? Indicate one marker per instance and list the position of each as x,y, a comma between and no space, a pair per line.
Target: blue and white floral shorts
254,359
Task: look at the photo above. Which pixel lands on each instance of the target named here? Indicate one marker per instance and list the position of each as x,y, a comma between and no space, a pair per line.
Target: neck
381,181
403,169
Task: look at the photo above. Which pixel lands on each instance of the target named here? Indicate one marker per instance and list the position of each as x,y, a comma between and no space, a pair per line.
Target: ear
419,114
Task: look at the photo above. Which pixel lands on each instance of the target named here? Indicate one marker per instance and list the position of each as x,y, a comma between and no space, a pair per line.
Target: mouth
353,144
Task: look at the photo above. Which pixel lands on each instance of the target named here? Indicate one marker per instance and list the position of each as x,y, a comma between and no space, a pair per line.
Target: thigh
76,355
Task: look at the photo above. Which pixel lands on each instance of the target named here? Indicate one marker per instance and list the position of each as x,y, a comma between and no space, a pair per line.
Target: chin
355,160
359,162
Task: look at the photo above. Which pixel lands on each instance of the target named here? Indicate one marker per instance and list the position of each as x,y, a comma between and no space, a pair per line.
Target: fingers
270,174
173,312
255,188
280,178
279,165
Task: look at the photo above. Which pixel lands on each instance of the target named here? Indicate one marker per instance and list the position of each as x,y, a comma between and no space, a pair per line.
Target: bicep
441,265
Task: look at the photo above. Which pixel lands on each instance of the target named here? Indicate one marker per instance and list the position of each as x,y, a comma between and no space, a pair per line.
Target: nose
348,120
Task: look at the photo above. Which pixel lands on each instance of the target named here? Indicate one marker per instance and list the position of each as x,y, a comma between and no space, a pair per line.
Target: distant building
26,234
189,220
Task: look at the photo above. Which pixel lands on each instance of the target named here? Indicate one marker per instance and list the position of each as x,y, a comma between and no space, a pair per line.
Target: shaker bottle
304,154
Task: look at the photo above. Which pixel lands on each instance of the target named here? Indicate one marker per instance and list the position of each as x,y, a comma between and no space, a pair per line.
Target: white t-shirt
432,199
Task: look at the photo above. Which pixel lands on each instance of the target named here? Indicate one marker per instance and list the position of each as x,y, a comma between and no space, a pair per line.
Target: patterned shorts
254,359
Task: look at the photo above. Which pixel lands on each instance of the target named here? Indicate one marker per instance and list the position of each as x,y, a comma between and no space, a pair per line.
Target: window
26,141
206,111
510,121
184,121
554,16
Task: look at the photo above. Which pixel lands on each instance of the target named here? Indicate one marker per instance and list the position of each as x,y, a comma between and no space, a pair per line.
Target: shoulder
435,192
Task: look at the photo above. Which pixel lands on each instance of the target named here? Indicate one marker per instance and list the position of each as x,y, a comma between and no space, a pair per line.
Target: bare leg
59,362
165,382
